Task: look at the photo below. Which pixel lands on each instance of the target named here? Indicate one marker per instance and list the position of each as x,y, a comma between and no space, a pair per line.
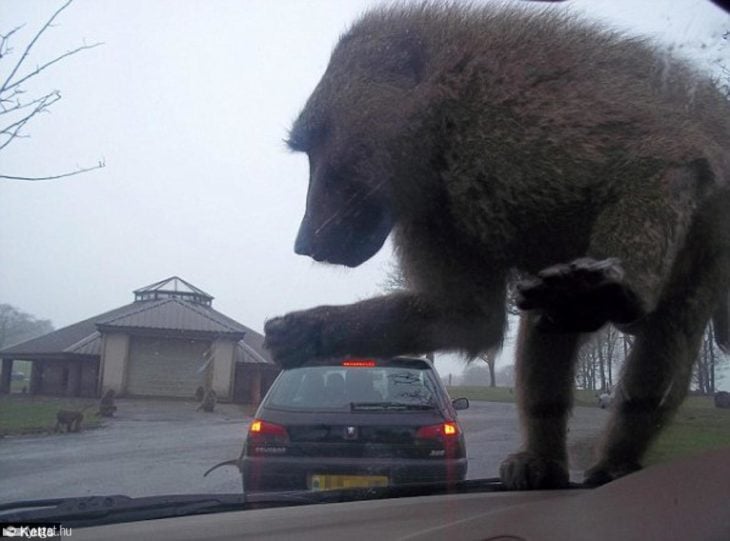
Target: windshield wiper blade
388,406
96,510
79,512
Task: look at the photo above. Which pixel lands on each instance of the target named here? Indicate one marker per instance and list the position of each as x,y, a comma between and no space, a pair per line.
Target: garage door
165,367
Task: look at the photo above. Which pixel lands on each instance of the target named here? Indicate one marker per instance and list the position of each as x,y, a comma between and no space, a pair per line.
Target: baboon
199,393
106,404
209,401
722,399
494,140
70,419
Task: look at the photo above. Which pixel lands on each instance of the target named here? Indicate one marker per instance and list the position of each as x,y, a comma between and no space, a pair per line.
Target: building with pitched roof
166,343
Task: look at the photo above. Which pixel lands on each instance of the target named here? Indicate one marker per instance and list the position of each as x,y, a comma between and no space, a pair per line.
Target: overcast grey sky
188,103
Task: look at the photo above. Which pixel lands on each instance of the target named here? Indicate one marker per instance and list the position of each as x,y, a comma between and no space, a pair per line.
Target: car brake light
438,431
359,363
265,432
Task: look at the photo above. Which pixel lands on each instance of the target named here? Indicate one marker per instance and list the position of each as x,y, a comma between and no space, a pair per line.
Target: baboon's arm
395,324
646,228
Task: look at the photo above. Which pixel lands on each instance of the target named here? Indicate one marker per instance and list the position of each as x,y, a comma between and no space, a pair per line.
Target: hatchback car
354,423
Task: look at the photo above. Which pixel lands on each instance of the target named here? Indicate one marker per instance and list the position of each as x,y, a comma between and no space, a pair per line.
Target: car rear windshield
387,388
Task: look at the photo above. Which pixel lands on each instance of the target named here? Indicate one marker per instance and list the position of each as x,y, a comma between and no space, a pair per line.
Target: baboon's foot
580,296
528,471
604,472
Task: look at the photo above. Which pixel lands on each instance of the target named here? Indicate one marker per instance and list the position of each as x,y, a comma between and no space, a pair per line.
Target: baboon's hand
528,471
580,296
296,337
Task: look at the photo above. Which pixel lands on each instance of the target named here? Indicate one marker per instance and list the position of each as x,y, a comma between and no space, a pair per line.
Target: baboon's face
349,129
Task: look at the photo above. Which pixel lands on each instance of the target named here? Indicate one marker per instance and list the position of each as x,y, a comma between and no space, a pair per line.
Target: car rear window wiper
388,406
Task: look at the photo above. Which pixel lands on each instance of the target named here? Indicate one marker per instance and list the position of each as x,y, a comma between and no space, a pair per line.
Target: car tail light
265,432
447,438
359,363
440,431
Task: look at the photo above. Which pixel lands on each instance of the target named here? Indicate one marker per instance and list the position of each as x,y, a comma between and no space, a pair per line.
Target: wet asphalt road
492,432
161,447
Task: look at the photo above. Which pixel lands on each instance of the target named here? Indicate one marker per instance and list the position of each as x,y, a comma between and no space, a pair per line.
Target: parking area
151,447
158,447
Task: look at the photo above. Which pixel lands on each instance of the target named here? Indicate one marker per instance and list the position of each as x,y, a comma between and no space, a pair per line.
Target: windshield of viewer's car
189,211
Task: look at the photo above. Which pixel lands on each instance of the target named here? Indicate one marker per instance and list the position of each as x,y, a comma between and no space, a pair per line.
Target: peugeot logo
350,432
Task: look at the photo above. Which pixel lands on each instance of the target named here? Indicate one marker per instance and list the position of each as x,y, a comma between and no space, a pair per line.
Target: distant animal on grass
70,419
722,399
605,399
490,140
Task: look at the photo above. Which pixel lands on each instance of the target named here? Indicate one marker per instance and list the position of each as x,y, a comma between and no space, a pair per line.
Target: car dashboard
683,500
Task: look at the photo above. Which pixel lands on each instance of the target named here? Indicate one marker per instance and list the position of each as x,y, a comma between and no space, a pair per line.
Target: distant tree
600,359
506,376
17,326
475,374
490,357
705,375
17,106
394,279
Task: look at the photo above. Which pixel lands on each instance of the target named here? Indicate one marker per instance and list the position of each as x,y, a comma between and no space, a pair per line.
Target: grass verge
25,414
506,394
698,426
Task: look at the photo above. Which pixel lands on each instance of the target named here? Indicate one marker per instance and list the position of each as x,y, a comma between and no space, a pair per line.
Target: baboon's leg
653,385
633,247
544,398
646,228
657,373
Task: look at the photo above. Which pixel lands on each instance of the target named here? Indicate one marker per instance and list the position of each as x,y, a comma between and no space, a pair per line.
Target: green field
698,425
506,394
24,414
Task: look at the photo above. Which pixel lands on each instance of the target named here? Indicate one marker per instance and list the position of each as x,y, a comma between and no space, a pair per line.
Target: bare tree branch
17,111
47,64
13,130
78,171
31,44
12,98
5,49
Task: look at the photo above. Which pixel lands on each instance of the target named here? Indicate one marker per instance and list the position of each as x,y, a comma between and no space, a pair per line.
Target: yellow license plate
334,482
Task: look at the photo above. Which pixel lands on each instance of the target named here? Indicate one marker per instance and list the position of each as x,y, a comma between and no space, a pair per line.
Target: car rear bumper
294,473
